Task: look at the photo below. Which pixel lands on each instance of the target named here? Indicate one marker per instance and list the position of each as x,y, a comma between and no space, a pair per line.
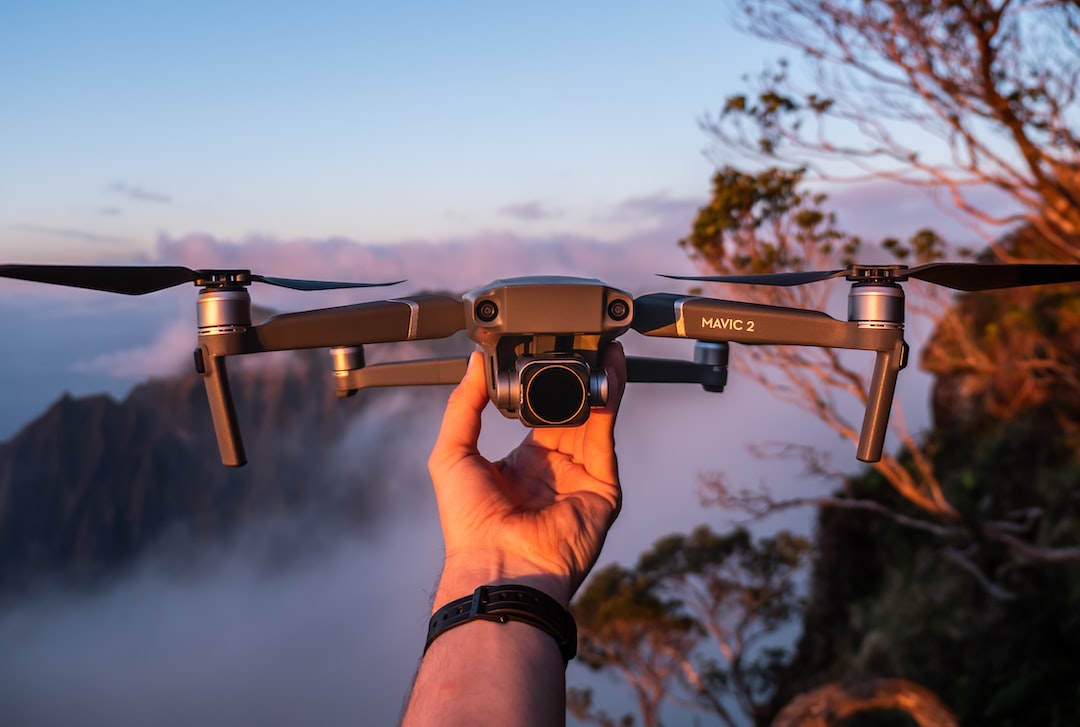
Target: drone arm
662,370
674,371
420,317
429,372
402,319
709,319
222,411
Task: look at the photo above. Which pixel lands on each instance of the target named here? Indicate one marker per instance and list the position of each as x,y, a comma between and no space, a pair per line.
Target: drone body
542,336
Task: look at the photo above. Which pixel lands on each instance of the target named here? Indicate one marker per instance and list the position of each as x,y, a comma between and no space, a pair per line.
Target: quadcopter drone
542,336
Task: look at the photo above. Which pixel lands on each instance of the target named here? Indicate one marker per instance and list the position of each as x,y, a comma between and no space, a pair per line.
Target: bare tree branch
834,703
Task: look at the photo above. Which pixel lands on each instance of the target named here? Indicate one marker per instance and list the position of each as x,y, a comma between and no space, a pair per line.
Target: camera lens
618,309
487,311
555,394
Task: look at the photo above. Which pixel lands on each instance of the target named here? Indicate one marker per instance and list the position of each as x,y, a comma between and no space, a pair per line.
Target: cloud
139,194
880,209
659,206
74,234
234,645
532,210
658,216
162,357
456,265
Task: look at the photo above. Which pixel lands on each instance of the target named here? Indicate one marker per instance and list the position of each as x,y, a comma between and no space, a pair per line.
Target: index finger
598,442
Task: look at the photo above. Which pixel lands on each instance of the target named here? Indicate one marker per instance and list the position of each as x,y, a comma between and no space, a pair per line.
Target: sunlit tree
962,96
629,631
692,622
967,97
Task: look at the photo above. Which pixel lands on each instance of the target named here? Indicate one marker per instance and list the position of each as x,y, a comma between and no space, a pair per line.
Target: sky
378,122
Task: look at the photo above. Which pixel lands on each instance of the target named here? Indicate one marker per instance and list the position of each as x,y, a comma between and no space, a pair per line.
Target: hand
539,516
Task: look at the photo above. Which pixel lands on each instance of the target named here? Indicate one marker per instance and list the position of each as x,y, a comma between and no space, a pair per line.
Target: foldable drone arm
707,319
711,376
226,330
403,319
426,372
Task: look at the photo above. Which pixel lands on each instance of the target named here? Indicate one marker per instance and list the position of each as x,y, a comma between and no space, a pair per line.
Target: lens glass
555,394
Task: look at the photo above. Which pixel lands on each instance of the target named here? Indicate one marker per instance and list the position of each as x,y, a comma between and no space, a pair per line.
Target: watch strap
509,603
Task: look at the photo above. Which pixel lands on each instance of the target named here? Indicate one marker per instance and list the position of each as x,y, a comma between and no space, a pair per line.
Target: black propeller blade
968,277
113,279
990,276
785,279
294,284
139,280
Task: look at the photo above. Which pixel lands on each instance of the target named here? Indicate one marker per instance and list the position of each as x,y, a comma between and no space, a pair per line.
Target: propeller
968,277
139,280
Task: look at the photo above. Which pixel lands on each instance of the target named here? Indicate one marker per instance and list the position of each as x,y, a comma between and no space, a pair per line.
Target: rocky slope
93,482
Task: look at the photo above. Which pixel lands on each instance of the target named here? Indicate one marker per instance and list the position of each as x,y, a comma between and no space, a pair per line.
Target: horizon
363,121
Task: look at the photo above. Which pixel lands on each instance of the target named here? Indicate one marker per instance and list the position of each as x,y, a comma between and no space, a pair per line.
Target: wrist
462,574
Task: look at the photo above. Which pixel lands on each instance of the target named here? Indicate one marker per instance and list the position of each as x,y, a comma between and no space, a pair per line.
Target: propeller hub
876,273
222,279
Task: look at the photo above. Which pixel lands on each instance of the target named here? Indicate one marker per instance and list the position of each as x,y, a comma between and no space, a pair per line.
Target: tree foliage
767,222
962,95
966,579
625,627
692,621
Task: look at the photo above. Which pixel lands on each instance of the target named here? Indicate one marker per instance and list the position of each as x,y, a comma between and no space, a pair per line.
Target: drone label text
728,324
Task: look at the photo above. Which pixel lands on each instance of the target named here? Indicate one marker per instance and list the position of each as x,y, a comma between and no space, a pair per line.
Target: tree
965,578
977,540
834,703
888,600
1003,108
691,622
958,95
768,222
626,628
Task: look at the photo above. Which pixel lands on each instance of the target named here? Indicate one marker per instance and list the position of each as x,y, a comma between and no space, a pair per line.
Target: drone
542,337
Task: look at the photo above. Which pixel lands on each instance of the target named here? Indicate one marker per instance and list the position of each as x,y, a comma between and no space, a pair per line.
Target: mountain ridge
92,483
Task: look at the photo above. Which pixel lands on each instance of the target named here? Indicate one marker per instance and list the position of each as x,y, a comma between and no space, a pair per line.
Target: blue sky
376,122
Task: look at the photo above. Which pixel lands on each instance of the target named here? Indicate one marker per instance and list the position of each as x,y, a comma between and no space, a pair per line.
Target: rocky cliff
93,482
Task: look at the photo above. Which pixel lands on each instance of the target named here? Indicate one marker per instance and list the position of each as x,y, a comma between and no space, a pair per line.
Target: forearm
512,673
485,672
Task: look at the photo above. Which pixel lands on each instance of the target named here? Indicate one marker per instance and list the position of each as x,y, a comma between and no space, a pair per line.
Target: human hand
539,516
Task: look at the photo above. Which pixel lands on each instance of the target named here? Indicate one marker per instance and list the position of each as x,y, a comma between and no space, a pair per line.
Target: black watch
509,603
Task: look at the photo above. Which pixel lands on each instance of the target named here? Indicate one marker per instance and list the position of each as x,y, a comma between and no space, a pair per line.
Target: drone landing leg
879,402
222,411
